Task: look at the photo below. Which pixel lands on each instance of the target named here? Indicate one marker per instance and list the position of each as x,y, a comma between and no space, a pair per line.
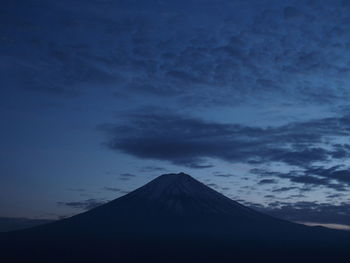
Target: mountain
174,218
16,223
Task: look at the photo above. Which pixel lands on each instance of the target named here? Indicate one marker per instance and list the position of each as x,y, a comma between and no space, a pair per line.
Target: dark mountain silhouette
13,223
174,218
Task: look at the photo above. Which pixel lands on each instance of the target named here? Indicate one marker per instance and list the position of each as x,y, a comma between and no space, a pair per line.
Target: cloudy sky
250,97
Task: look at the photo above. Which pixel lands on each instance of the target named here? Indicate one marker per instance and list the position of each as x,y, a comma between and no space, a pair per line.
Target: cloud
225,175
83,205
326,213
303,176
333,226
127,175
194,163
267,181
147,169
113,189
331,196
309,176
284,189
190,141
170,51
333,173
296,196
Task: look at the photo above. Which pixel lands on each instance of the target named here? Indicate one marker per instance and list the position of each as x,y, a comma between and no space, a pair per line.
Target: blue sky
250,97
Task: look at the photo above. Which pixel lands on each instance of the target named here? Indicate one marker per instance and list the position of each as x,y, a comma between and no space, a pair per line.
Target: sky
250,97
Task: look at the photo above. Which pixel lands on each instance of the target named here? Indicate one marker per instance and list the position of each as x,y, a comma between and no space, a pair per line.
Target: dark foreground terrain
174,218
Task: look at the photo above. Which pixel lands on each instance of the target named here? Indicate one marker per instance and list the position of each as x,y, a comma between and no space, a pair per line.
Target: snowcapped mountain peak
173,180
181,194
174,184
172,177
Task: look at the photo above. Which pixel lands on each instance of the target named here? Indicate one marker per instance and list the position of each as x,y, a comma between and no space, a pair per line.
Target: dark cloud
310,176
309,212
189,141
284,189
83,205
267,181
113,189
148,169
194,163
223,175
336,173
331,196
127,175
296,196
162,49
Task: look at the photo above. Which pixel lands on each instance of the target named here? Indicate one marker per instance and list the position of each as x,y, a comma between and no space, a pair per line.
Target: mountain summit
182,195
175,215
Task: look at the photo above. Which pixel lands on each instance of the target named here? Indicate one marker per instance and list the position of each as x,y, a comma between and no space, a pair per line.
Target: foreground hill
174,218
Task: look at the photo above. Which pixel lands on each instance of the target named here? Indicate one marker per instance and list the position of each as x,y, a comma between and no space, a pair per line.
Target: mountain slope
14,223
174,213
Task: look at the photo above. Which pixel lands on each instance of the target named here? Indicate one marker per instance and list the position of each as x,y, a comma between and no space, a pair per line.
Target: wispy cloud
306,211
83,205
